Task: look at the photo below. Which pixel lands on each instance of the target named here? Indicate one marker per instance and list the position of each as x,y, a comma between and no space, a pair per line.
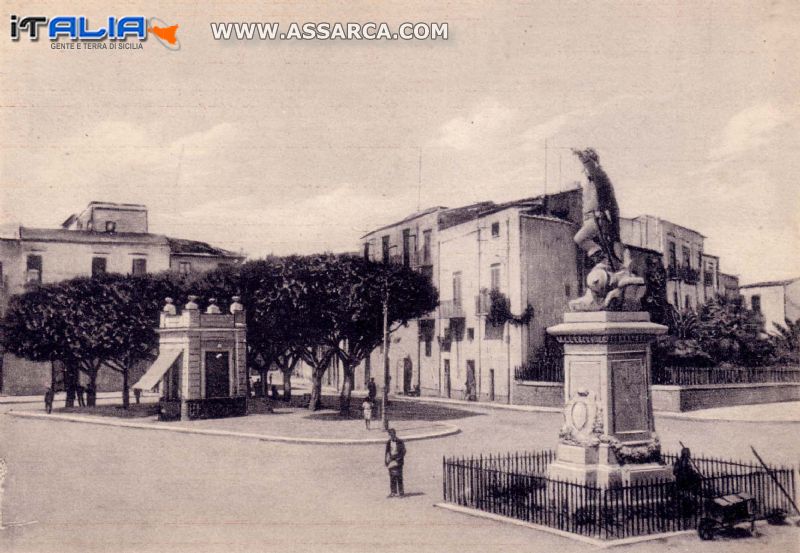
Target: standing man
48,400
395,455
372,390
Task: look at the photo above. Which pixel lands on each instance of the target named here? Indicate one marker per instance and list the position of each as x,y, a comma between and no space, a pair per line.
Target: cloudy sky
304,146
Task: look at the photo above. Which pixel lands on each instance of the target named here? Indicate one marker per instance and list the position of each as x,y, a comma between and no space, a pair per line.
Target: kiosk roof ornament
611,286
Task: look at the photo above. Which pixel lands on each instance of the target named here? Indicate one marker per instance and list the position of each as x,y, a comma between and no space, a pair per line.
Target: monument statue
608,438
611,286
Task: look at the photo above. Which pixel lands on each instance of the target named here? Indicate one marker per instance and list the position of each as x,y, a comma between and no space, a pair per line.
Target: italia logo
73,27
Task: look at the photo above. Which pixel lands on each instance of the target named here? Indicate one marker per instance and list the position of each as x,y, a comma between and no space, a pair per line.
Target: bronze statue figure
599,237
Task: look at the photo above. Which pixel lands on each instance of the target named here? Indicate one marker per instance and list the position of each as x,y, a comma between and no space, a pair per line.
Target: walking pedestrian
367,408
137,393
79,391
372,390
394,458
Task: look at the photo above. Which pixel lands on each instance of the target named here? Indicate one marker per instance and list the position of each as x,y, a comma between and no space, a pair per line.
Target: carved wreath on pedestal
583,426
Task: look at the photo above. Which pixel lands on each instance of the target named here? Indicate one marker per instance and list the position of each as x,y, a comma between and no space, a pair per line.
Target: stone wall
690,398
540,394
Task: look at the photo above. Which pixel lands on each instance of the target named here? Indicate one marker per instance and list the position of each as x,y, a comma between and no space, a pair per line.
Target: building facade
776,301
729,286
103,238
693,274
523,249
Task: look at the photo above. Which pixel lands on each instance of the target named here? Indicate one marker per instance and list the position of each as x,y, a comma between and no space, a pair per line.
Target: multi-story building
523,249
729,286
693,274
776,300
105,237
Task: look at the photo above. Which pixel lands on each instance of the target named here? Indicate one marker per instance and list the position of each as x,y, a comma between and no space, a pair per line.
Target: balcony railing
420,259
451,309
686,274
483,303
689,275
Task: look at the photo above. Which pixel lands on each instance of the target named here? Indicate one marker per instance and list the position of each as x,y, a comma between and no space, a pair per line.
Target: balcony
421,258
483,303
686,274
451,309
689,275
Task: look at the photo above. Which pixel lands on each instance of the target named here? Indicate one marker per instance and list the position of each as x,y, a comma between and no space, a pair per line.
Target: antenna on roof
544,202
419,180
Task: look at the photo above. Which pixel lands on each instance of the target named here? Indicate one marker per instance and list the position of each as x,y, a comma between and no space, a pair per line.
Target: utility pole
385,404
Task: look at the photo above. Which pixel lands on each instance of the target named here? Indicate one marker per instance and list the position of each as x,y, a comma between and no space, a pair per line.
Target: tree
33,329
276,333
787,340
359,289
730,332
90,323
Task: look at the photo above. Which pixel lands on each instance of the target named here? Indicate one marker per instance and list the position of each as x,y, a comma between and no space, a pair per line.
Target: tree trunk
287,385
126,392
316,390
263,383
70,383
348,373
91,390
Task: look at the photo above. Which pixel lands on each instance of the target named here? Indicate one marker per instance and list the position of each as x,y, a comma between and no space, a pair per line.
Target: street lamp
386,377
385,403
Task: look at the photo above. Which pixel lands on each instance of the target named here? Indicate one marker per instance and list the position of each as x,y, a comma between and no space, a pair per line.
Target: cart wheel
707,529
776,517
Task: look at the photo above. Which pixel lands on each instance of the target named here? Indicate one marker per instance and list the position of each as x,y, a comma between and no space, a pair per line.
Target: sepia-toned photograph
361,277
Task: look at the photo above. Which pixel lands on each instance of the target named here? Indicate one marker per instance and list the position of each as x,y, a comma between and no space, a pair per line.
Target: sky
295,146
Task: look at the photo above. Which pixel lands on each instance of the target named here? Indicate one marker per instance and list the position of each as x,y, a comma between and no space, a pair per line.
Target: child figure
367,408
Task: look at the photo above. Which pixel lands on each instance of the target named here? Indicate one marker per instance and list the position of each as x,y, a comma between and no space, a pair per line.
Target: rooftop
769,283
183,246
449,217
88,236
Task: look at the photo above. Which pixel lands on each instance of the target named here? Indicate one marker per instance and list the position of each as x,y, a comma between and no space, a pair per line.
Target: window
687,256
494,272
366,251
406,247
34,269
139,267
426,247
427,330
470,334
687,302
111,226
184,267
755,303
673,256
98,266
567,290
457,289
495,230
385,248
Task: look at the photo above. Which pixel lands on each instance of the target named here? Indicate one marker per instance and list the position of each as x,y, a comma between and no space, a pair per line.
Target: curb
449,430
541,409
600,544
479,404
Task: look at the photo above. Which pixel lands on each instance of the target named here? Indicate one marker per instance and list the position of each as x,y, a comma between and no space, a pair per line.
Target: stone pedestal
608,438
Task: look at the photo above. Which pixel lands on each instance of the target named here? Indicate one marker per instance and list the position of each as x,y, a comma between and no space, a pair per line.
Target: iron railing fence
691,376
548,371
516,486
